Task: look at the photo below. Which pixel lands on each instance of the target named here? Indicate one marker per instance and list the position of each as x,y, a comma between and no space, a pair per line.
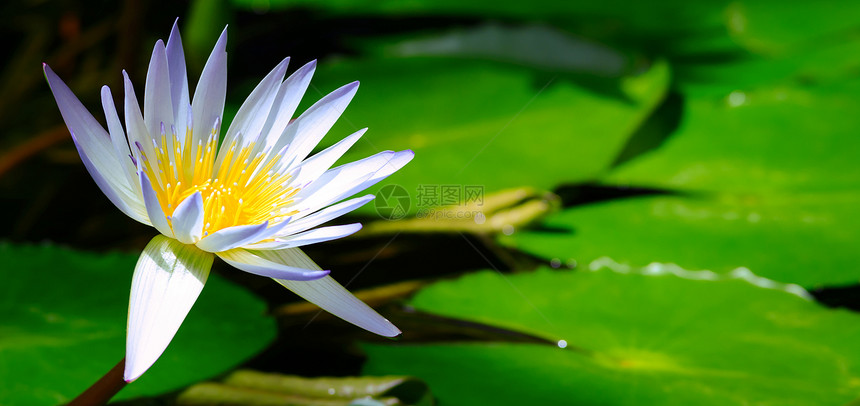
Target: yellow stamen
245,190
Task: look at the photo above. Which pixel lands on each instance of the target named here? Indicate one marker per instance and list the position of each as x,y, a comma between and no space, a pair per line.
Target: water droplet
508,229
480,218
555,263
737,98
562,344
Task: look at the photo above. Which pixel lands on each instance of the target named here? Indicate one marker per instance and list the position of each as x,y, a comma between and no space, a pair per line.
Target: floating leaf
831,62
554,131
633,339
64,323
805,239
762,26
766,26
534,45
776,139
660,17
253,388
777,166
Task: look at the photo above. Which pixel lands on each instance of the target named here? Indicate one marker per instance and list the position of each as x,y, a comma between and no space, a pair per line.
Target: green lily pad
832,62
790,139
64,323
611,18
253,388
778,166
769,27
545,9
633,339
764,26
486,124
535,45
804,239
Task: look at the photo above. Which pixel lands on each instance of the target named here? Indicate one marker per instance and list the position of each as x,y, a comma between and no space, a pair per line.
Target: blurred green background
612,203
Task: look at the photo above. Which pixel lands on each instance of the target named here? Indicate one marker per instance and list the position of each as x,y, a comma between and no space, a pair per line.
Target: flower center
242,190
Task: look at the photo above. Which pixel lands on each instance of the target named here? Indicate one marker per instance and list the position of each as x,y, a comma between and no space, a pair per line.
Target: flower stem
104,389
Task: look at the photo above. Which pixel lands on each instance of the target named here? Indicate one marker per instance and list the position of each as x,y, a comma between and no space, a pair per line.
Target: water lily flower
250,196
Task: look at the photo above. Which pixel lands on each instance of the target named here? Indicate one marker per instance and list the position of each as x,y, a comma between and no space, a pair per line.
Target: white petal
252,262
330,295
187,219
314,236
329,213
391,165
306,132
346,180
167,280
106,187
117,137
153,208
139,140
178,79
286,102
252,115
331,184
208,102
96,150
399,160
157,106
231,237
313,167
239,236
